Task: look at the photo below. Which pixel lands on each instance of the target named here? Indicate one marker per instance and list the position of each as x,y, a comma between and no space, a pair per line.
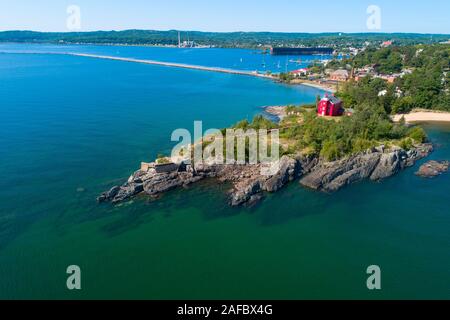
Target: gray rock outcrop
376,164
332,176
389,164
249,182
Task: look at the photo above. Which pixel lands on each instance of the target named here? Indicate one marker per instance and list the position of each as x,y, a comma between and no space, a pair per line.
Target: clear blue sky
423,16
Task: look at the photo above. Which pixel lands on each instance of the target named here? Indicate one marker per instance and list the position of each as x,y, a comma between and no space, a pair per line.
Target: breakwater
153,62
174,65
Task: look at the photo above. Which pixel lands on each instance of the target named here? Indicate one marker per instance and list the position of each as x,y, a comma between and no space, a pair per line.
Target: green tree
403,105
330,150
418,134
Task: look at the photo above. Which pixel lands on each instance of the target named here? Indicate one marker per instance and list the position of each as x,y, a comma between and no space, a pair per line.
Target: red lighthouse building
330,106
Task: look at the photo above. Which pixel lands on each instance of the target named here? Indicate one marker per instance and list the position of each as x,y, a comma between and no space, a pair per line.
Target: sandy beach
423,116
325,87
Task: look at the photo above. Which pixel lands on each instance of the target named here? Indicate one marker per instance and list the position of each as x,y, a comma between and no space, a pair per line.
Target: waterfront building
330,106
300,72
339,75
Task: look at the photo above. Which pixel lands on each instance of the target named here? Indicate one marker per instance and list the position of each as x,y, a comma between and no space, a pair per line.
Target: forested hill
227,40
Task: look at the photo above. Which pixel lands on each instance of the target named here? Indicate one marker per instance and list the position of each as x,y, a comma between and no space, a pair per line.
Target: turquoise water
71,127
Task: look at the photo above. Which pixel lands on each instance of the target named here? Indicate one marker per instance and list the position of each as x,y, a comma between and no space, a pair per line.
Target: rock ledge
249,184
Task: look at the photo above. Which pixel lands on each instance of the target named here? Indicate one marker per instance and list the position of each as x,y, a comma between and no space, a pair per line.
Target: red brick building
330,106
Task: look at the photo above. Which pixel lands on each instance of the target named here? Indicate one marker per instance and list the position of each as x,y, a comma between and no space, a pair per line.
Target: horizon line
225,32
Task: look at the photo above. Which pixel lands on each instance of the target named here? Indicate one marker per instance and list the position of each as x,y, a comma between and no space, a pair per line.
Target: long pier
173,65
152,62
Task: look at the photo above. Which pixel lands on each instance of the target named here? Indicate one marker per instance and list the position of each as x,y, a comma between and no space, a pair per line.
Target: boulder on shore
433,169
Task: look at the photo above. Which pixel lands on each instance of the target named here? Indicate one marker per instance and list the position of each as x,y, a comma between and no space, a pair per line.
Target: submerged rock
433,169
109,195
243,192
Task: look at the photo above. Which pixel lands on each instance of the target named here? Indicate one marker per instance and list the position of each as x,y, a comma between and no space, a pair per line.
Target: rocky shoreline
276,111
249,185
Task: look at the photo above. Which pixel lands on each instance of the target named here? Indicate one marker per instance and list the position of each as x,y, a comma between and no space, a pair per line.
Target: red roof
300,70
332,99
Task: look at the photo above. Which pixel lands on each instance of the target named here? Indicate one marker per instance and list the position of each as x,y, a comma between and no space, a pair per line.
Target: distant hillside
227,40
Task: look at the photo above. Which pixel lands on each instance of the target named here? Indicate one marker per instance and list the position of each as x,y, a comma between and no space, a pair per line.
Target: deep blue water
240,59
71,127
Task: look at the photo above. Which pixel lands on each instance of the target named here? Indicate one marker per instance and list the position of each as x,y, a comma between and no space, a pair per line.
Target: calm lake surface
72,127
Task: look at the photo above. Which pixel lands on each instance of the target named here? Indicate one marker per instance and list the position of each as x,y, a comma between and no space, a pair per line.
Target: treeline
226,40
386,60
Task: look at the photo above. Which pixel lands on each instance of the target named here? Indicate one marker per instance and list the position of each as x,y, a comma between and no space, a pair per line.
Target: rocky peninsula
249,185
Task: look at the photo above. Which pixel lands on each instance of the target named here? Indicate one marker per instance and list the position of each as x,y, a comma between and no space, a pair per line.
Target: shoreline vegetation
416,116
308,154
329,153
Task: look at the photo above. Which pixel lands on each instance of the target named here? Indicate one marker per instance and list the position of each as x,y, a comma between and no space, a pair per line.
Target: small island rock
433,169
